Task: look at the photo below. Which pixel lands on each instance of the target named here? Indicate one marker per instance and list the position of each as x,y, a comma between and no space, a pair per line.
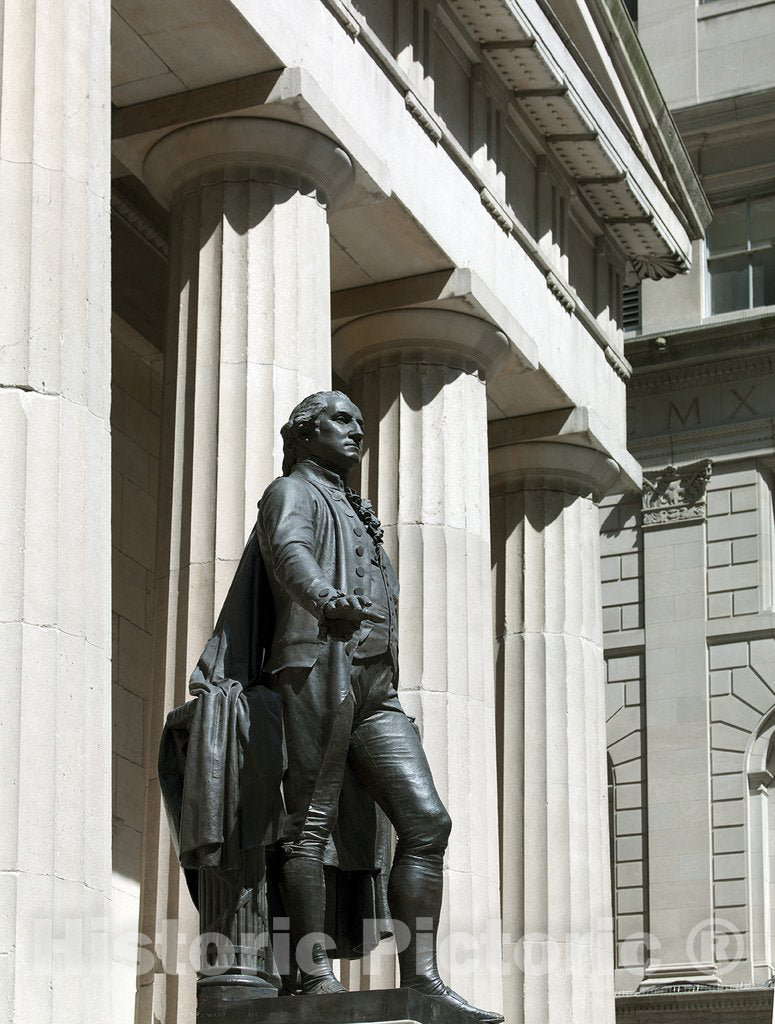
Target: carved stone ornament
676,494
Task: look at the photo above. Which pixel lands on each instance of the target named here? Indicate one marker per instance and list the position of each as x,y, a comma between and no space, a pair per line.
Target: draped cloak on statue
221,764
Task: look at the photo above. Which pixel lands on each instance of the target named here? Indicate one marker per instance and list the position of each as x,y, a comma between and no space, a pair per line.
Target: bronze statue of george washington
298,743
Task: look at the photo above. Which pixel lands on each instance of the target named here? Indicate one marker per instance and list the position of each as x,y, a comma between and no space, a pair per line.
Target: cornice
528,50
681,378
712,1003
345,15
683,349
656,118
733,112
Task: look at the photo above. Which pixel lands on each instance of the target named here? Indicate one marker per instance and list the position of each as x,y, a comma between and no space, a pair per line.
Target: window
631,309
559,222
741,254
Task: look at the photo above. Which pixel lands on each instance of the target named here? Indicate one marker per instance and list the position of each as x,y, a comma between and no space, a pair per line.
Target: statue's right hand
351,608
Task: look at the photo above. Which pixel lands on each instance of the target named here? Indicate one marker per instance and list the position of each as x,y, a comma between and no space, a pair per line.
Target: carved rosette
676,494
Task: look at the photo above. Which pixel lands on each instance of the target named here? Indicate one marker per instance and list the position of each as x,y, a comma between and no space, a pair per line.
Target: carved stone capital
676,494
248,148
437,336
552,465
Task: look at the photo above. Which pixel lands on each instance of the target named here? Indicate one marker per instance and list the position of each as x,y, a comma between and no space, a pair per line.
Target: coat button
359,550
357,531
360,571
324,593
358,591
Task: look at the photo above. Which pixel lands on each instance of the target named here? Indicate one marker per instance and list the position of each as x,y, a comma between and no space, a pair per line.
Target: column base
664,975
218,994
723,1006
402,1005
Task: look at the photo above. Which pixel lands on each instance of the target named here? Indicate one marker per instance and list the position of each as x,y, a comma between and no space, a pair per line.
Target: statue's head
327,427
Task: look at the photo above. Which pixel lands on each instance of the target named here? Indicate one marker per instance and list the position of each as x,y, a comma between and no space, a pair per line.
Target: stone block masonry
135,435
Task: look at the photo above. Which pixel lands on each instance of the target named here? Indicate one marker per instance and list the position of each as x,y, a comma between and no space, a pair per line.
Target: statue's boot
304,896
414,895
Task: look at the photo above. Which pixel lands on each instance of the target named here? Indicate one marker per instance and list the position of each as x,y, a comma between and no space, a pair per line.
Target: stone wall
621,545
626,753
730,575
733,543
621,548
136,406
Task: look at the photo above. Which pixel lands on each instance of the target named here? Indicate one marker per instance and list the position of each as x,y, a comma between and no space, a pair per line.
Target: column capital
423,335
552,465
248,148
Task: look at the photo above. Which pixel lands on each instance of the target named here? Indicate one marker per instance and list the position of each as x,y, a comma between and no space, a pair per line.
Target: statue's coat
222,756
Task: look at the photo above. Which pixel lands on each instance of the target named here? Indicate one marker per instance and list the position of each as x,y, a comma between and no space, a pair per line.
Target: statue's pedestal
384,1005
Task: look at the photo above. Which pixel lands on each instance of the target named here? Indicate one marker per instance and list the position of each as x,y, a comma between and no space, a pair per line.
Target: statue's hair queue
305,414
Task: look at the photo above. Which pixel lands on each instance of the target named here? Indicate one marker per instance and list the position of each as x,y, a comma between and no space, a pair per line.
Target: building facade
687,567
209,210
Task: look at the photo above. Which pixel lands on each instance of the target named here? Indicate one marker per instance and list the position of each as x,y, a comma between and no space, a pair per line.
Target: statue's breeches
369,734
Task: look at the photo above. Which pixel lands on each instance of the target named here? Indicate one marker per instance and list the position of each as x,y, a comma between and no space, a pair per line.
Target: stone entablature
675,495
703,389
725,1006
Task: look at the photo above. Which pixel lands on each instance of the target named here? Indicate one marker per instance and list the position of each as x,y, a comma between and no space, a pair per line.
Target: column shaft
426,472
551,704
249,337
55,867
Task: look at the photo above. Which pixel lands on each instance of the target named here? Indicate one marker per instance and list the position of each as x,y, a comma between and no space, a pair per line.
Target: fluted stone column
55,808
552,746
418,376
249,335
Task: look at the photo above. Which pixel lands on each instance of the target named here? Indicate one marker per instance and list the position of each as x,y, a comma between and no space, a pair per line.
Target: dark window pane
763,219
728,229
764,277
728,284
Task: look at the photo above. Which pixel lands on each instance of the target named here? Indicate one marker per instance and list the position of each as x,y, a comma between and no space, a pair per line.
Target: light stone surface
625,731
703,52
703,388
249,338
551,707
55,458
680,872
135,422
420,386
705,713
341,86
249,334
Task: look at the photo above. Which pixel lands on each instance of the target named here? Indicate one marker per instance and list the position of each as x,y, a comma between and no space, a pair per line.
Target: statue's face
335,439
